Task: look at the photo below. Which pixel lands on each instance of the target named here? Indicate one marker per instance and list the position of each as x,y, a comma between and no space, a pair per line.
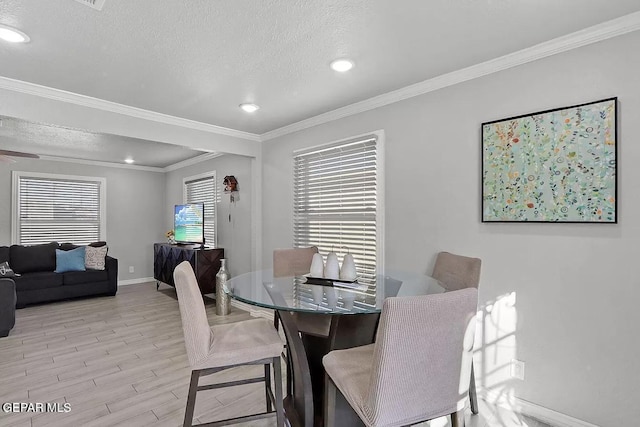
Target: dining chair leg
191,399
473,397
267,385
457,419
277,378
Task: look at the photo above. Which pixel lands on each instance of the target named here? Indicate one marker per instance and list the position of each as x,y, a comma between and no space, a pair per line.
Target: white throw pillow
94,258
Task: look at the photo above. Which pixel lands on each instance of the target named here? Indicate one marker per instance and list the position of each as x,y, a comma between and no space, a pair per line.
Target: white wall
233,235
135,210
561,297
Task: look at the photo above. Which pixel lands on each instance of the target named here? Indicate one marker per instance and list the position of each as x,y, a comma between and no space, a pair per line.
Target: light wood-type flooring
121,361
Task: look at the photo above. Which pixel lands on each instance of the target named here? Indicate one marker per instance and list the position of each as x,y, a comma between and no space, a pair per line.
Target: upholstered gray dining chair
292,261
459,272
456,271
418,368
296,262
214,349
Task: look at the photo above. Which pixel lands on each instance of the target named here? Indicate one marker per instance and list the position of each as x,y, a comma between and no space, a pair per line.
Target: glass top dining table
309,295
351,311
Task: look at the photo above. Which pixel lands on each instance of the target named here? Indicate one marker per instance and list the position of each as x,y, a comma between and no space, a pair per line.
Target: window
58,208
336,202
202,189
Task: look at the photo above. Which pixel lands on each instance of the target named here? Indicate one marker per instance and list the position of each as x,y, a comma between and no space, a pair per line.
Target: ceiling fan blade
18,154
5,159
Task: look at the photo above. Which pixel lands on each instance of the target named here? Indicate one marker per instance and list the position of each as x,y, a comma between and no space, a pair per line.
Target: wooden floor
121,361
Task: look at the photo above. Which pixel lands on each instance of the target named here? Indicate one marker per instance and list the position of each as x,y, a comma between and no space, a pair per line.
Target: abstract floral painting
552,166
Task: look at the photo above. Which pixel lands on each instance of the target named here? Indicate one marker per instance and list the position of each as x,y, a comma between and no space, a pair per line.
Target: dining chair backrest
422,357
195,325
292,261
457,271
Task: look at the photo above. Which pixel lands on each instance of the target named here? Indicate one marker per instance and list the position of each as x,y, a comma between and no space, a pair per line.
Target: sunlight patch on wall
495,347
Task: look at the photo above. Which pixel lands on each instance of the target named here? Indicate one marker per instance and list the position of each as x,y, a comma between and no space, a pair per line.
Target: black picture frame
552,166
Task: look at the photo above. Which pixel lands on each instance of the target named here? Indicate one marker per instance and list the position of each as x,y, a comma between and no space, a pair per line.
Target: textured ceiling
199,59
48,140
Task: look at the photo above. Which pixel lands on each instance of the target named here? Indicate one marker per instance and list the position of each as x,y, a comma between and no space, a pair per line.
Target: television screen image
188,223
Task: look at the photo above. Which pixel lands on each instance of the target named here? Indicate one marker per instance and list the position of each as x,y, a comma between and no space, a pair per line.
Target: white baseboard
135,281
546,415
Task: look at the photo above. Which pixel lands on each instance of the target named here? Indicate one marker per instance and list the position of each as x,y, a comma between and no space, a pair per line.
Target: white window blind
202,189
57,208
335,202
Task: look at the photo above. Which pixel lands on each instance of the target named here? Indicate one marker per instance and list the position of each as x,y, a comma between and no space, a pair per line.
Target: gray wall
561,297
235,235
79,113
135,210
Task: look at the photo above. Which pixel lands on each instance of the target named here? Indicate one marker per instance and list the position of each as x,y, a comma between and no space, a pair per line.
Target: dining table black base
305,404
337,410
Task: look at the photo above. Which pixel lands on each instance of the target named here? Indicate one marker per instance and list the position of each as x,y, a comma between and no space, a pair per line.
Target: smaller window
58,208
202,189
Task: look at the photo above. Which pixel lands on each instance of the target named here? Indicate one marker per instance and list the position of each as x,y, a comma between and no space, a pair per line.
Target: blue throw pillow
72,260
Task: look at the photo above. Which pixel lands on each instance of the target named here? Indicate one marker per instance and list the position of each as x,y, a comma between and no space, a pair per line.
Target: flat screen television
188,223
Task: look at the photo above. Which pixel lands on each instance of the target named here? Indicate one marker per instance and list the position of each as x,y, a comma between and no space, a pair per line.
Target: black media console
205,263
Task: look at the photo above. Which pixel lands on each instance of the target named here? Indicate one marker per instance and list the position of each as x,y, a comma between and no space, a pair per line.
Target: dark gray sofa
36,281
7,306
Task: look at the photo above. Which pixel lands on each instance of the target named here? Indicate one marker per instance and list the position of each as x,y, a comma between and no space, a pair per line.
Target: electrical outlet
517,369
131,269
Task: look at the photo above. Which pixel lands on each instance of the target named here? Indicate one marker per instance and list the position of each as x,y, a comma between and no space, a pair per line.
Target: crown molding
101,163
191,161
113,107
606,30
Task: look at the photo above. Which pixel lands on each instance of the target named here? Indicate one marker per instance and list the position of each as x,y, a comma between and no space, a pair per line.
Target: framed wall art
552,166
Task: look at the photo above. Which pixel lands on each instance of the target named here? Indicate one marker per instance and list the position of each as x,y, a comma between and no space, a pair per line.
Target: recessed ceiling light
129,160
12,35
342,65
249,108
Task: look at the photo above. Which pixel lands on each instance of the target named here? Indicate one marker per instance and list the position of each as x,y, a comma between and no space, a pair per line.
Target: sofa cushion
72,260
4,253
69,246
38,280
95,257
82,277
29,259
